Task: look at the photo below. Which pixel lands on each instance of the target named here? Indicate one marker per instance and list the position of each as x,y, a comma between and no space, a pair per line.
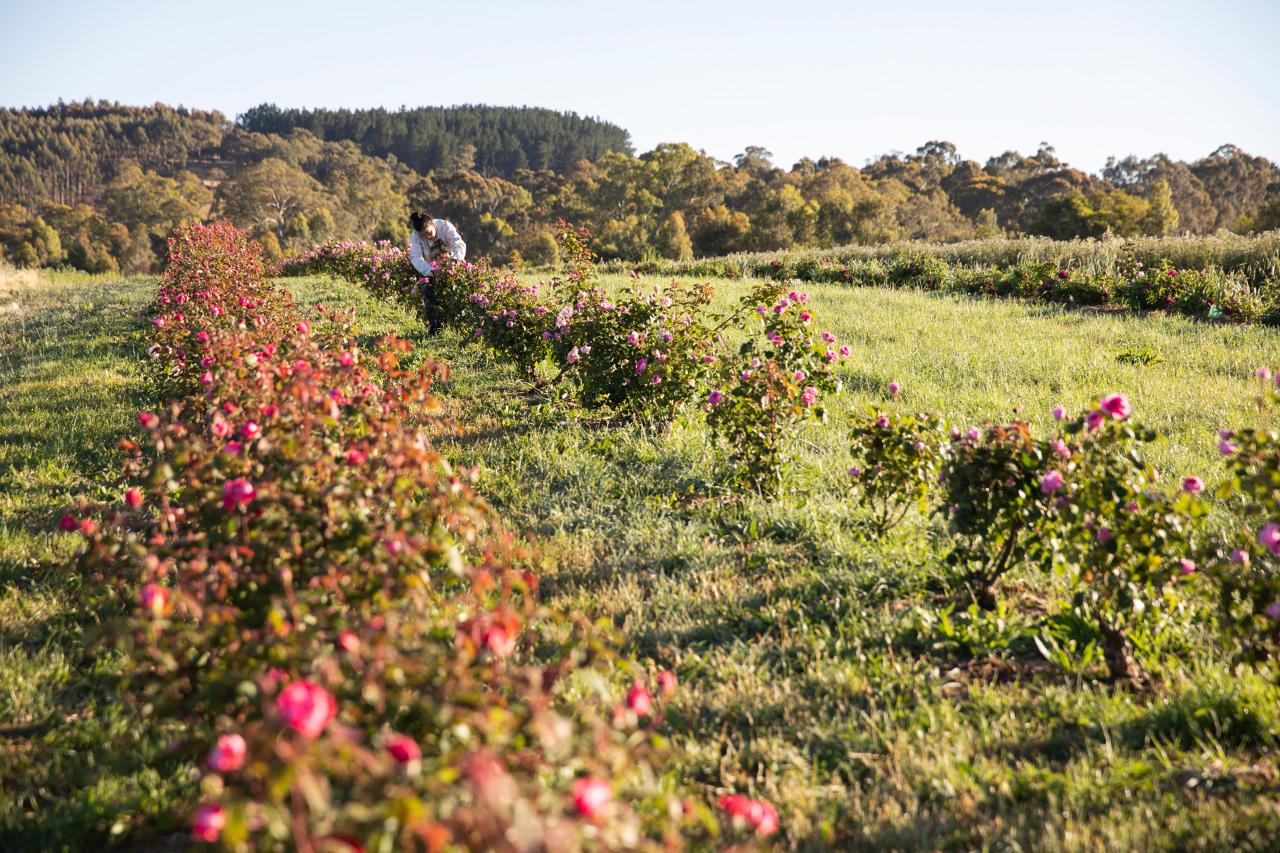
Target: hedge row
1234,279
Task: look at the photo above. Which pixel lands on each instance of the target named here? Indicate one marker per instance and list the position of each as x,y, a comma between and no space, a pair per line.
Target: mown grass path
73,769
811,671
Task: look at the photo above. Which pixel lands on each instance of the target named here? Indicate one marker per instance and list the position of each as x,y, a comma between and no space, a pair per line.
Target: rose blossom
591,796
1269,537
306,708
237,494
1115,405
403,748
1059,412
1192,485
640,700
1051,482
227,755
153,599
715,397
207,823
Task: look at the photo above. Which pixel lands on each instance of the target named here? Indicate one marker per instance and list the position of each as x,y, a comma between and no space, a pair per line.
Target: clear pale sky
852,80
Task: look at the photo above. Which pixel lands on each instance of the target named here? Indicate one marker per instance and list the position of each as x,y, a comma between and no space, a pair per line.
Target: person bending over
431,241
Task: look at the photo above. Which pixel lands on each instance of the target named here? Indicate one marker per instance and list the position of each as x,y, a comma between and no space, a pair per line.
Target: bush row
1083,503
1256,257
645,352
318,610
1237,283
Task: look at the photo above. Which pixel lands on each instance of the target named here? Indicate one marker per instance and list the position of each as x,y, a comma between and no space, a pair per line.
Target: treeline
505,140
99,185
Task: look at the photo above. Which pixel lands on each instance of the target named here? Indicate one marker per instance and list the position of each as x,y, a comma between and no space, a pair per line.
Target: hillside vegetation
97,186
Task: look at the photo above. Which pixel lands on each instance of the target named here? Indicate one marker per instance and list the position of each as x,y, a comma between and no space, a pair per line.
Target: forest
97,186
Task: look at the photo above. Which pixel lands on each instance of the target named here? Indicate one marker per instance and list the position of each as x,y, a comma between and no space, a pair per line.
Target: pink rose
207,823
591,796
237,494
306,708
348,642
1192,485
1051,482
153,598
1059,412
1060,449
304,327
1269,537
642,365
250,430
228,754
403,748
1094,419
1186,567
810,396
1115,405
715,397
894,388
133,497
640,700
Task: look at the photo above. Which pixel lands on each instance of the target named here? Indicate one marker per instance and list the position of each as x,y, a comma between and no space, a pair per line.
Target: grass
73,764
810,671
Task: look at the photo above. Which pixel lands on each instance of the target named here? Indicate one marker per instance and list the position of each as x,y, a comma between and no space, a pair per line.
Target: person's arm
417,257
452,240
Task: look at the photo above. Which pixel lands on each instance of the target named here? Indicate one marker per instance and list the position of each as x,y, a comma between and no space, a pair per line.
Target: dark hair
417,219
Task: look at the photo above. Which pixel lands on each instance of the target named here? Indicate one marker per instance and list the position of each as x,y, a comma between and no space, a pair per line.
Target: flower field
622,565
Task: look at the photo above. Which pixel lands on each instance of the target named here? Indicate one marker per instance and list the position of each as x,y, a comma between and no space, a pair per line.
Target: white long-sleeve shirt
447,237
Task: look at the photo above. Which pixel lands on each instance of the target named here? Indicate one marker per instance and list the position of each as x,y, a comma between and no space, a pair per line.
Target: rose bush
896,461
779,380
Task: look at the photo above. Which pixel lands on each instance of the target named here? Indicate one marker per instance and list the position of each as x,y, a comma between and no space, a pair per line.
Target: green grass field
812,670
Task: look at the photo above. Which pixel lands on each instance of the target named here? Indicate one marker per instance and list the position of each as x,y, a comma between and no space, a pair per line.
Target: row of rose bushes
1244,296
647,352
1083,503
318,611
1206,293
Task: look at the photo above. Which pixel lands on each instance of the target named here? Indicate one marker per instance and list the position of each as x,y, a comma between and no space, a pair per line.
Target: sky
852,80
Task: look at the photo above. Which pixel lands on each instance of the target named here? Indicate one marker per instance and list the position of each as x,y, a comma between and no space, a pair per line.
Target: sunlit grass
806,674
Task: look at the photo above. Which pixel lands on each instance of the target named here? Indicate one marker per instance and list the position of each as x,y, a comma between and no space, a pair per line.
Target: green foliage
896,462
993,503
